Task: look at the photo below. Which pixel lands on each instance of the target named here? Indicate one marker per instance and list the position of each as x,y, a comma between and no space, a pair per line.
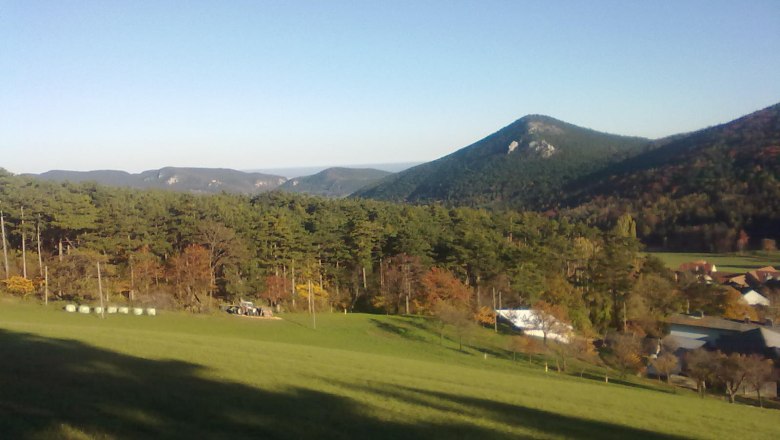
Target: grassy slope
356,376
724,262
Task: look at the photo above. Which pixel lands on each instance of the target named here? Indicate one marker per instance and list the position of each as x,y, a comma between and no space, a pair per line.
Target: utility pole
624,316
132,276
407,285
38,236
310,299
292,287
5,252
336,282
100,292
24,254
478,296
46,286
312,307
322,289
495,312
381,274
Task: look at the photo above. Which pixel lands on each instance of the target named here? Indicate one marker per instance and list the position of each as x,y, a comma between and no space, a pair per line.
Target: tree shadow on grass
416,321
753,401
493,352
398,330
56,388
616,380
544,422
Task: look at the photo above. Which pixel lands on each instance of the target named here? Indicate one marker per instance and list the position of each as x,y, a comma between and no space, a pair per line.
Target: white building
754,298
528,321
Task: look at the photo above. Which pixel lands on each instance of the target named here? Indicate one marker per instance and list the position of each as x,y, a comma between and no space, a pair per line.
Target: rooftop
715,323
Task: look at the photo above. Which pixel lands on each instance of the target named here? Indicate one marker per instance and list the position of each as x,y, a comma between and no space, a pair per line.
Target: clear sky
137,85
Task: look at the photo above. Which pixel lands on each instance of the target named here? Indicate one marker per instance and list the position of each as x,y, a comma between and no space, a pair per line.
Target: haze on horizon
261,85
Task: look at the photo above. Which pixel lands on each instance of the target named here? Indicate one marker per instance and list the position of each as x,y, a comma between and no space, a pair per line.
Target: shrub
19,285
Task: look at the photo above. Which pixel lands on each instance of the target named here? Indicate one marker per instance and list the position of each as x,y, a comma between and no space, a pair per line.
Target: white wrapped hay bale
124,310
111,310
70,308
151,311
83,309
98,310
137,311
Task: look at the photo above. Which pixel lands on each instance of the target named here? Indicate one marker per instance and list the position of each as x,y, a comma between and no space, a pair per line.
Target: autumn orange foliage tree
277,290
19,285
401,275
320,295
146,269
192,274
439,285
485,316
736,308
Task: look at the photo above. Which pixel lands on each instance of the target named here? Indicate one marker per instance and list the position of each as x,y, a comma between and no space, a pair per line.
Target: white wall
523,319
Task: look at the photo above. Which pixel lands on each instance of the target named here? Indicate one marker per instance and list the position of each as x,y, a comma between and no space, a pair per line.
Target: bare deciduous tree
549,319
456,317
730,372
625,352
700,366
758,373
664,364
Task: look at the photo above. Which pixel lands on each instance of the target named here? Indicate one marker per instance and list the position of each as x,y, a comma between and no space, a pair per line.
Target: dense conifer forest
713,190
196,251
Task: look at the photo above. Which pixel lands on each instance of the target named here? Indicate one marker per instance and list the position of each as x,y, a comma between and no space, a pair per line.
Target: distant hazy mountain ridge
198,180
334,182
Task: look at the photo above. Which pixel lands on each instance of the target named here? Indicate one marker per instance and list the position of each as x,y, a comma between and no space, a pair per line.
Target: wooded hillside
521,166
714,190
184,250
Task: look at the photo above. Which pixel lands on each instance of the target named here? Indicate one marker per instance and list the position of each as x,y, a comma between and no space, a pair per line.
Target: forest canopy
194,251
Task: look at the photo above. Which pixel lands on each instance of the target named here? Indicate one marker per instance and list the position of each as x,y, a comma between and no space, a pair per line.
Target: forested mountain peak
753,136
525,164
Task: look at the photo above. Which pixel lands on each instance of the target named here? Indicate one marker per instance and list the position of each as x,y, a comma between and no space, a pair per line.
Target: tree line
194,251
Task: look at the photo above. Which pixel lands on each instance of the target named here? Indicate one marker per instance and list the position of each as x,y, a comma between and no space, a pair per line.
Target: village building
762,276
529,322
699,267
737,281
688,332
705,328
753,298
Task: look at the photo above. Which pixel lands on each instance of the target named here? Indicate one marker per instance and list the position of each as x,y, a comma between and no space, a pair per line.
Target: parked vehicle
244,308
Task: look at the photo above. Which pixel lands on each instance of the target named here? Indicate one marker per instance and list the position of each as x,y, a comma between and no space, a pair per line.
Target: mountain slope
524,165
698,190
334,182
198,180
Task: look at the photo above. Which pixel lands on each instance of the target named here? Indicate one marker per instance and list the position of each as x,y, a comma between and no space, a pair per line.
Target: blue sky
137,85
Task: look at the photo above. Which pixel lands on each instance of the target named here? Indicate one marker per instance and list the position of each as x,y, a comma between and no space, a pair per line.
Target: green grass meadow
730,262
176,375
